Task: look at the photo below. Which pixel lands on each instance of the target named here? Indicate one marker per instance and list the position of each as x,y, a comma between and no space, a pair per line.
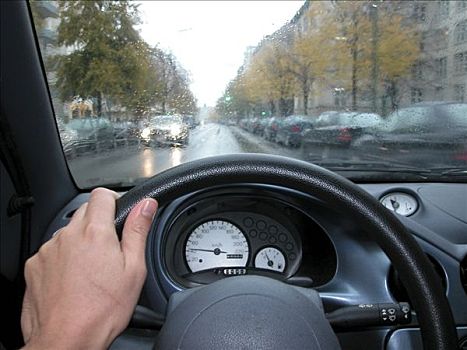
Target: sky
209,38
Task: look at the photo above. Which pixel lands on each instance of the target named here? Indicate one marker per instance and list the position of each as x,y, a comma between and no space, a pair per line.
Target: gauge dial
216,244
270,258
400,202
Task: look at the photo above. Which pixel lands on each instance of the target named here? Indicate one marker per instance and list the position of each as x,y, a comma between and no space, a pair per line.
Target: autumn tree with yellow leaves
310,55
398,51
235,102
393,53
268,77
365,47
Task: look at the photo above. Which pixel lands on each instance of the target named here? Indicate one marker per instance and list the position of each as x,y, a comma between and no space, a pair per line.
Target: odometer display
216,244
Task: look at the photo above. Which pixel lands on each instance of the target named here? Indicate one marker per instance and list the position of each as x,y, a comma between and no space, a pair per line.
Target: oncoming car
167,129
256,244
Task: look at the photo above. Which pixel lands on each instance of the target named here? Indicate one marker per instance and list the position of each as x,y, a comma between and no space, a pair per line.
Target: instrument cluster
219,237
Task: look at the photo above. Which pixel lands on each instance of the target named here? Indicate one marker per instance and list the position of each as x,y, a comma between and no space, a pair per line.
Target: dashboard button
272,229
261,225
248,222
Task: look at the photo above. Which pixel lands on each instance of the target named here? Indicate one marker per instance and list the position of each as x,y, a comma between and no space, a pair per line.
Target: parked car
426,132
290,130
334,132
248,124
94,134
243,123
232,122
166,130
262,125
271,128
191,121
126,133
68,137
254,125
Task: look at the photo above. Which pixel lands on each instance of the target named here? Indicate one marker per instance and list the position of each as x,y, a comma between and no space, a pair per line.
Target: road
129,165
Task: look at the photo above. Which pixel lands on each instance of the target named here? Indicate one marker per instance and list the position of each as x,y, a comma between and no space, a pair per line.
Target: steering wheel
249,311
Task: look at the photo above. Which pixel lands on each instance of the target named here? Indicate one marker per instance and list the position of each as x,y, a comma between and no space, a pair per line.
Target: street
129,165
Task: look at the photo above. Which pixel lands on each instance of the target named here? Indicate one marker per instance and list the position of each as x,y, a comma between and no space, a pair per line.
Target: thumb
136,230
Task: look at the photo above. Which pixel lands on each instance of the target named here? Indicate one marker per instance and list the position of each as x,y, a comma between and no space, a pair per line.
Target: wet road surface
127,166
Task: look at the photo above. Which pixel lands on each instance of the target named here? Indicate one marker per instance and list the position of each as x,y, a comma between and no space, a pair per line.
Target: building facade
46,18
439,74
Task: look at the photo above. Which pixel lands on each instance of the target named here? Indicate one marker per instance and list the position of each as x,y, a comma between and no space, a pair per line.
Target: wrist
64,341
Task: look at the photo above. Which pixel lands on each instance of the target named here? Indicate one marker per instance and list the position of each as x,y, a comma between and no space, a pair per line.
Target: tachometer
216,244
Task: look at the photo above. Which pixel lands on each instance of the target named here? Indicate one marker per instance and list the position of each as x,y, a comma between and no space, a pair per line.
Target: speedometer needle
216,251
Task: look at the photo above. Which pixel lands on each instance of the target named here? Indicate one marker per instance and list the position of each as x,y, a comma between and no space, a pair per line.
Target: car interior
340,269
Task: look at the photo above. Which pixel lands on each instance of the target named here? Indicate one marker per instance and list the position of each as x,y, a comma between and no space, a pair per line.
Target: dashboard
272,231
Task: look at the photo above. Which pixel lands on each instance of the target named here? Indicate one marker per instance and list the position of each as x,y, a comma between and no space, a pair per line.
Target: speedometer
216,244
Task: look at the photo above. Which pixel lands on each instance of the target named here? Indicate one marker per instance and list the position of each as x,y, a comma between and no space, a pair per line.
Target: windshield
375,90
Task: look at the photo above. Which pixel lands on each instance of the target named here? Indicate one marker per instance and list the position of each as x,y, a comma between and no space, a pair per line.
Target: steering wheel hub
247,312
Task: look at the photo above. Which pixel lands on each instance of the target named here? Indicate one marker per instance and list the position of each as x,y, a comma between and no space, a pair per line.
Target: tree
139,89
310,52
398,50
268,76
359,46
173,83
352,50
236,100
105,58
39,21
384,61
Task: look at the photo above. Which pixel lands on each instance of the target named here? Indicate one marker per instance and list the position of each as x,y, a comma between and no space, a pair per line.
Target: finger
79,214
136,230
101,207
26,316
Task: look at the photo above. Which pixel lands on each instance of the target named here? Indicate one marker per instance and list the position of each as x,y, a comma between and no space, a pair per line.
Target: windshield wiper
450,172
394,168
370,168
358,165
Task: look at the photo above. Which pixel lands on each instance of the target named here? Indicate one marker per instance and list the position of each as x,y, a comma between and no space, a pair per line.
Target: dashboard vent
463,271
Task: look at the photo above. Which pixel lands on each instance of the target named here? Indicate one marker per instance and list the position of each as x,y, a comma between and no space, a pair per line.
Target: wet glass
360,87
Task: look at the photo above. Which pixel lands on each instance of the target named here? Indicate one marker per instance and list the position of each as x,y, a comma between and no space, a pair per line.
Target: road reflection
147,169
176,156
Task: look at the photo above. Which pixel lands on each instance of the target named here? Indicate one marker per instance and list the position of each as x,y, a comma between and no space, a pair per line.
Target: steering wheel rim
417,275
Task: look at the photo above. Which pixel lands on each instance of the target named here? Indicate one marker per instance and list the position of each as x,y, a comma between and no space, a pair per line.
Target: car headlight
146,133
175,130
